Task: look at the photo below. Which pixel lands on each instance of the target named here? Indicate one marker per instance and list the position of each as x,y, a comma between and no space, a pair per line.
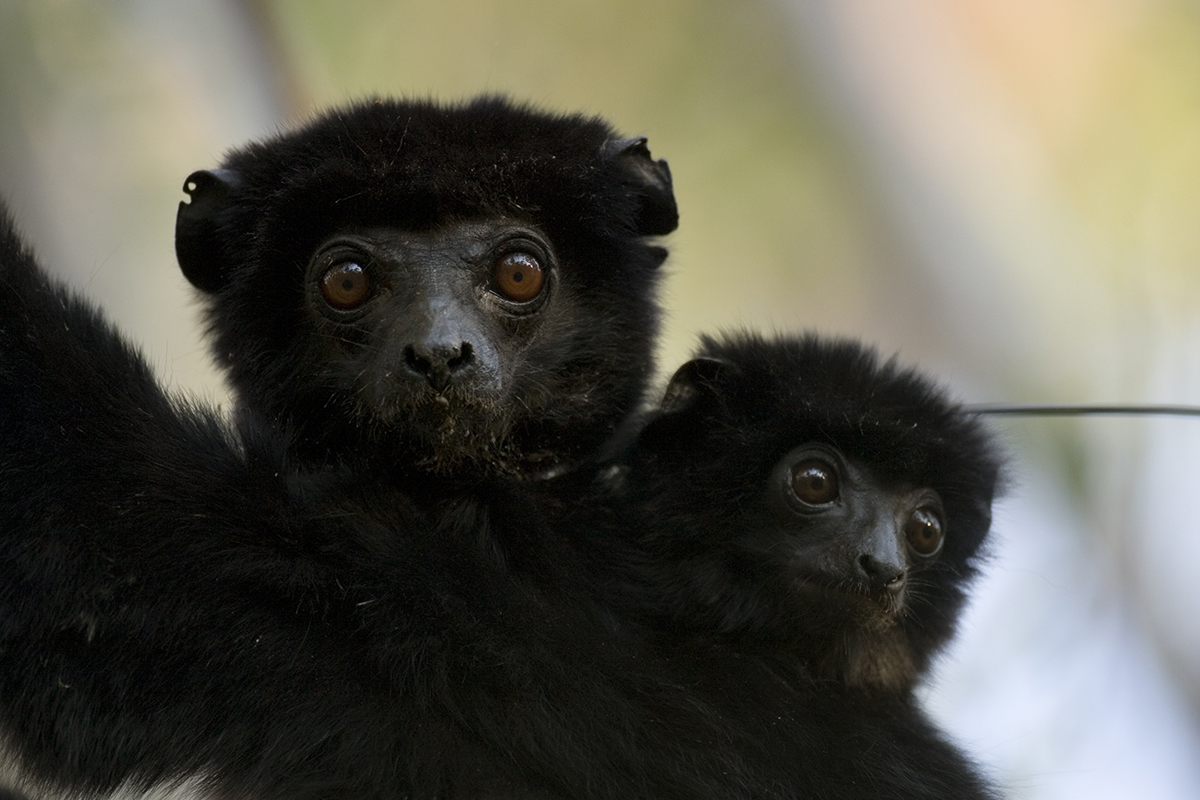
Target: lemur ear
696,382
198,248
657,213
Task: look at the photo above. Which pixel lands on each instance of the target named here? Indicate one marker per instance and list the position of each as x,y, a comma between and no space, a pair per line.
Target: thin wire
1053,409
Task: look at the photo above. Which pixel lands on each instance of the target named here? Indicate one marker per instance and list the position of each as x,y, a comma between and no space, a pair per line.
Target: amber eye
519,276
924,532
346,285
815,482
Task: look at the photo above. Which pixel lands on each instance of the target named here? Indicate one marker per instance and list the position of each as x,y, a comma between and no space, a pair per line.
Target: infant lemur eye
346,286
519,276
924,532
815,482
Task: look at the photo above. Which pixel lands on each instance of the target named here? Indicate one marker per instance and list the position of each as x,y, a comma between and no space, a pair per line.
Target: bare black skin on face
433,328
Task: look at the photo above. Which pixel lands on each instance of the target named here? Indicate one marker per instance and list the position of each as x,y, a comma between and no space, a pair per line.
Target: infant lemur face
843,534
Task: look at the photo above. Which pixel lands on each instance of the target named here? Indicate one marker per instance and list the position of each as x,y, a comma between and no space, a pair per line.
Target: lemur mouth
889,599
876,603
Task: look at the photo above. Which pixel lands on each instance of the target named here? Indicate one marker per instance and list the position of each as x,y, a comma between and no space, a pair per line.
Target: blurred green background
1004,191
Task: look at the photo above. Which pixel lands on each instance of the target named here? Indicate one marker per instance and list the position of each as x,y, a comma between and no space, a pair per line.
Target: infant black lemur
809,514
799,496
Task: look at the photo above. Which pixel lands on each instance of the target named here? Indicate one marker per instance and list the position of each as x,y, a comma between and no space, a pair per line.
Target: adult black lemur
421,310
805,521
434,319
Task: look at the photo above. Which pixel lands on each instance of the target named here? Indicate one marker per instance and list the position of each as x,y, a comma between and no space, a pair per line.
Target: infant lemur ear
695,384
658,213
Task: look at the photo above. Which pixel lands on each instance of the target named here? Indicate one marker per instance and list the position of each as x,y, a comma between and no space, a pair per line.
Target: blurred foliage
1112,90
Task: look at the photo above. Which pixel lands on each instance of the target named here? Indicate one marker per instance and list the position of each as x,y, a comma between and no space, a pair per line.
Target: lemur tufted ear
693,382
203,259
658,213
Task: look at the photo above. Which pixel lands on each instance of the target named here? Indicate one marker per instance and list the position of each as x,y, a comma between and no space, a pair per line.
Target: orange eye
519,276
346,286
815,482
924,532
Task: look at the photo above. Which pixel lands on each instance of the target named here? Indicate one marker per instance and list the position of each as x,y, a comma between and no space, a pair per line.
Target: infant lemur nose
880,575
